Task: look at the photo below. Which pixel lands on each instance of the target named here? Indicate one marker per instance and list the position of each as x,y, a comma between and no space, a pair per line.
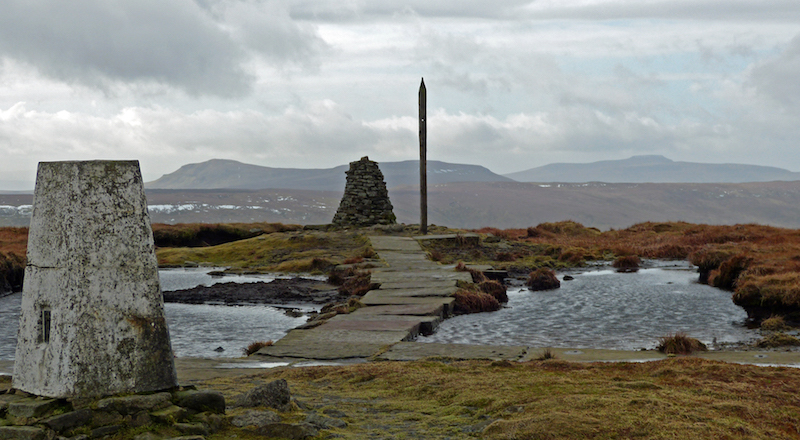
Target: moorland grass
550,399
295,251
210,234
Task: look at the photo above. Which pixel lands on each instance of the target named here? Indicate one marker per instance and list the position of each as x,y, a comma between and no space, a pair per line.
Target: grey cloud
778,78
97,42
745,10
336,10
266,27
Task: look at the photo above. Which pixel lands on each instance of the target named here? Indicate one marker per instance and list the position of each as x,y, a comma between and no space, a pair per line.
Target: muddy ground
280,291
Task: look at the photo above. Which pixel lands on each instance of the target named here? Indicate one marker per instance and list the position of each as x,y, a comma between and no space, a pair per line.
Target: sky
512,84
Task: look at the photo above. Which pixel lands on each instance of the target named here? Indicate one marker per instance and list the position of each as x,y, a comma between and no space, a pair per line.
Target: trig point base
92,315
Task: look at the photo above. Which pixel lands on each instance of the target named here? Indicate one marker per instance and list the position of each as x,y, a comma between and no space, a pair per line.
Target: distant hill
230,174
652,169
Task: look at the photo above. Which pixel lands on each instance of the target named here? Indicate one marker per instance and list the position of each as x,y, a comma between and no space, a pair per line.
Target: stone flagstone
415,294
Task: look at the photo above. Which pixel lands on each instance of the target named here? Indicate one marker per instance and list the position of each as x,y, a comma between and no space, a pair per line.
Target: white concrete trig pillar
92,317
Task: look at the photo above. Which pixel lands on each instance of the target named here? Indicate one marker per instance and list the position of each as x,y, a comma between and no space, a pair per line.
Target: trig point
92,316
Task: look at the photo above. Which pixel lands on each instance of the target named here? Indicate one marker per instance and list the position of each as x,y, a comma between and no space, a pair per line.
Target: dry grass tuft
777,339
351,281
494,288
774,323
547,354
627,263
679,343
474,301
543,279
255,346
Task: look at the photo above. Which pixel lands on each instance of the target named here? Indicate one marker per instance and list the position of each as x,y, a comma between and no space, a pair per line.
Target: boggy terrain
759,264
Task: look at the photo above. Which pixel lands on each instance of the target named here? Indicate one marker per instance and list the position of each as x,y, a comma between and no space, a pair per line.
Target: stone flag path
414,296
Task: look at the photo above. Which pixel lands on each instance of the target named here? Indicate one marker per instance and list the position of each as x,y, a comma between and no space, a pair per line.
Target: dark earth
280,291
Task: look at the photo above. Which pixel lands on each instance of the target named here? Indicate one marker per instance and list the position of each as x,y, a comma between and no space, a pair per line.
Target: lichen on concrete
92,280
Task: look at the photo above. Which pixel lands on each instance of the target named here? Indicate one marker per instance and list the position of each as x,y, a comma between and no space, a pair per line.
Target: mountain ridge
652,169
231,174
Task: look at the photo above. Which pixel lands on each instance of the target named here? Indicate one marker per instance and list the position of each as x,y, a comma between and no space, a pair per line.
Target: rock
192,428
22,433
201,401
103,418
142,418
105,430
170,415
146,436
568,278
272,395
334,413
135,403
288,431
491,238
70,420
31,408
255,418
322,422
5,399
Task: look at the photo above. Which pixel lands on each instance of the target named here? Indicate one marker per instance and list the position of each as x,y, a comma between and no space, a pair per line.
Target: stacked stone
366,200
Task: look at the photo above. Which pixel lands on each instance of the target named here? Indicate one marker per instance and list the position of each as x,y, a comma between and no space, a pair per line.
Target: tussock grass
542,279
546,355
255,346
679,343
627,263
473,300
670,399
494,288
778,339
774,323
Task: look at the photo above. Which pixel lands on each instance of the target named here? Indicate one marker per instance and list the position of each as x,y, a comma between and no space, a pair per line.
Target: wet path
414,296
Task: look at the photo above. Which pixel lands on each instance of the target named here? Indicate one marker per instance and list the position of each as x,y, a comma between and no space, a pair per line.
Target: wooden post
423,162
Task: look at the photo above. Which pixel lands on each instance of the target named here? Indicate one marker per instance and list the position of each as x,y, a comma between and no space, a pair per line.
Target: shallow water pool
606,309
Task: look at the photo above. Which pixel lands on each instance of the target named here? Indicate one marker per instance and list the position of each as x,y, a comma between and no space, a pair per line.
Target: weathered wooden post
423,162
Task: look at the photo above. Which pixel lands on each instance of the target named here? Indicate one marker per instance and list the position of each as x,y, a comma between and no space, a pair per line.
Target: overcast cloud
512,84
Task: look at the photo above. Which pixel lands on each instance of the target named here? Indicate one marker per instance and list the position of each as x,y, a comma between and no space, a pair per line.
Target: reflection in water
605,309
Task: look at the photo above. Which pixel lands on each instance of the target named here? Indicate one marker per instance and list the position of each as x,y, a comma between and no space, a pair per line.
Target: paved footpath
415,294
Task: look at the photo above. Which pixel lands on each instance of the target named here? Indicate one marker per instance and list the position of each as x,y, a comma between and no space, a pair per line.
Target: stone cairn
366,200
